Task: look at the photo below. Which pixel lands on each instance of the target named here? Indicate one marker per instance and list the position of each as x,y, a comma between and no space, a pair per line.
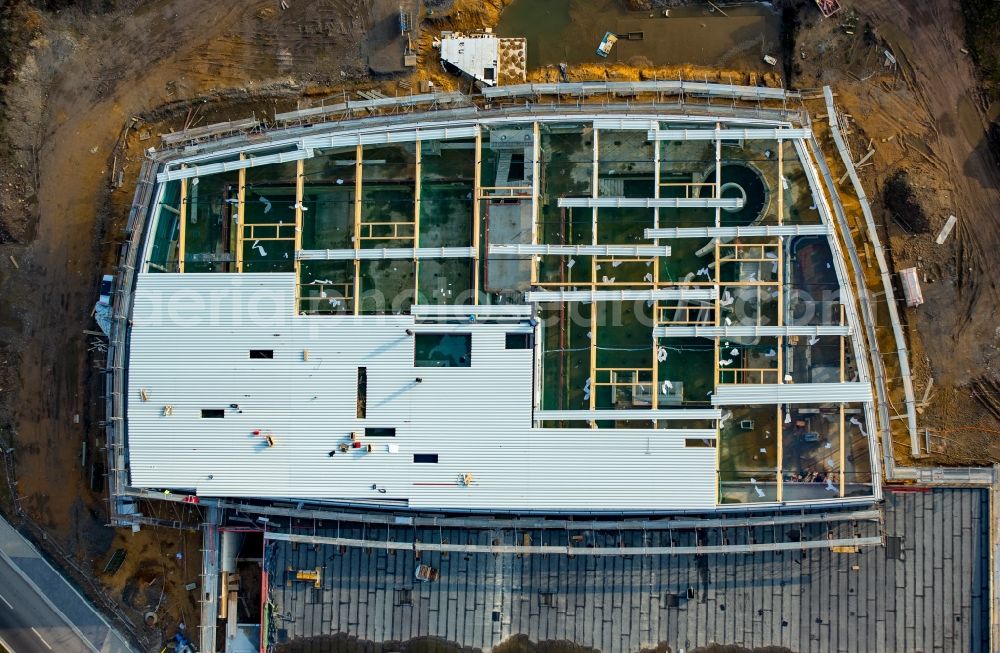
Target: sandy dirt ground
86,76
927,118
469,15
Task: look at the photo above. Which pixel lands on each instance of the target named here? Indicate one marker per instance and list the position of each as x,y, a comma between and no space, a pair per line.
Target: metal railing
677,87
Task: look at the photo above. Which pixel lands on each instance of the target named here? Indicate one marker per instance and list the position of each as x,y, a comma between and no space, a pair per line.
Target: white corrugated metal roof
727,134
626,124
740,331
621,295
791,393
579,250
384,253
734,232
649,202
464,310
189,350
228,166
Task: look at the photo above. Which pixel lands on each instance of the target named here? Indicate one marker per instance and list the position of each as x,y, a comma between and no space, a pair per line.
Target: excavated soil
926,117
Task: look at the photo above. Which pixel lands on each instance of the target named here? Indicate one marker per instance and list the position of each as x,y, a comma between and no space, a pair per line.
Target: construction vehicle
608,42
426,574
828,7
314,576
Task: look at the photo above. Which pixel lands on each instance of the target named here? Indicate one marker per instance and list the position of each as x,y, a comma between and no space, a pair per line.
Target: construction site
460,347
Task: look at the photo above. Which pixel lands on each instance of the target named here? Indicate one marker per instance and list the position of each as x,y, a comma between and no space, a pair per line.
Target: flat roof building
484,57
476,55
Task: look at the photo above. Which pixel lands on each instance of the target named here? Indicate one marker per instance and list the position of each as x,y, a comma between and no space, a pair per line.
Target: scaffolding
872,232
662,87
587,537
121,506
350,106
572,550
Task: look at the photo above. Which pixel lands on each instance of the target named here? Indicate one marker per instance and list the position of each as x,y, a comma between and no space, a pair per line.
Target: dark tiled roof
927,590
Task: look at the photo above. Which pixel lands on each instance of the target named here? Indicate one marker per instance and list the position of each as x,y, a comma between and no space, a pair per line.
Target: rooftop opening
404,597
380,432
425,457
519,341
261,353
213,413
442,350
362,408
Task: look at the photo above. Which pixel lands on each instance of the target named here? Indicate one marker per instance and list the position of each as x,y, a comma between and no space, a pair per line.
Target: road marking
41,638
6,645
6,602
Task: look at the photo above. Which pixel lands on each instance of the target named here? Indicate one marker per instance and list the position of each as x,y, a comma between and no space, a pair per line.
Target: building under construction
543,313
630,328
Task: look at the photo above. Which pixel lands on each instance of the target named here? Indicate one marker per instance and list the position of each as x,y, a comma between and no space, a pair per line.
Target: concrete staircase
503,168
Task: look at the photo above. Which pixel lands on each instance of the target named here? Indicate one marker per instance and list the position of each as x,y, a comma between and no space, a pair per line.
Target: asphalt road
41,611
27,624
